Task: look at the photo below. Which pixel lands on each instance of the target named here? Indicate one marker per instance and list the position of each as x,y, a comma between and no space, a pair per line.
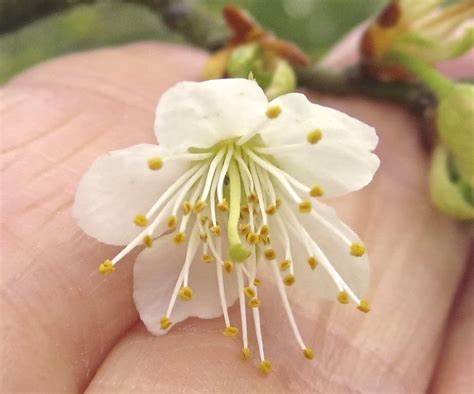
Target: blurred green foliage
314,24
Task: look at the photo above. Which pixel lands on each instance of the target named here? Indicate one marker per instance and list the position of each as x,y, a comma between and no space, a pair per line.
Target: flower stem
431,77
237,251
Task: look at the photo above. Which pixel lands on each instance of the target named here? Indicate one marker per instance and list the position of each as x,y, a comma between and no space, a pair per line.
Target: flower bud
455,123
450,191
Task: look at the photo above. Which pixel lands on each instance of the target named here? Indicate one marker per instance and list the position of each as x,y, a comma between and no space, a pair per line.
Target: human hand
67,328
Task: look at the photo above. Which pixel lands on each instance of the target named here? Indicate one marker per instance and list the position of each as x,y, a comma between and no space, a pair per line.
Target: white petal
354,270
117,187
155,275
340,162
201,114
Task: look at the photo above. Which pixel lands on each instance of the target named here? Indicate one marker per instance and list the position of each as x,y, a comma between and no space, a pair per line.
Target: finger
63,316
454,370
417,257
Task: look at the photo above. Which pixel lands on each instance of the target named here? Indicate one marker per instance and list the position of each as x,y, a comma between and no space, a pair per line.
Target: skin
66,328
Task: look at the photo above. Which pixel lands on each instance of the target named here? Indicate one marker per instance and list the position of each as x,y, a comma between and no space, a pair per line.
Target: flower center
240,209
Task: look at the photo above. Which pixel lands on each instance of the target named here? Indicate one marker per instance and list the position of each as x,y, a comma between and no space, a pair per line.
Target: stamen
305,206
210,174
216,230
270,254
247,180
179,238
289,280
316,191
243,317
228,266
186,188
249,292
313,262
187,207
257,282
286,305
343,297
223,206
265,367
148,241
252,238
207,258
285,264
357,250
155,163
172,222
186,293
231,331
107,267
258,189
314,136
273,111
165,323
254,302
141,220
364,306
200,206
308,353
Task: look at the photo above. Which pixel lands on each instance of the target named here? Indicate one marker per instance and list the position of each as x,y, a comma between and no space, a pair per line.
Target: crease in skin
38,136
100,132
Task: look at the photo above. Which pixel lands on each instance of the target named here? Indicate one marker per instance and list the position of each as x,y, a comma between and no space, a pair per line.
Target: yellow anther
308,353
246,353
140,220
265,239
107,267
289,280
252,198
264,230
305,206
265,367
364,306
244,229
204,220
179,238
254,302
231,331
207,258
271,210
199,207
249,292
314,136
228,266
257,282
313,262
148,241
155,163
343,297
285,264
316,191
270,254
203,237
357,250
216,230
186,293
223,206
187,207
252,238
172,222
244,210
165,323
273,111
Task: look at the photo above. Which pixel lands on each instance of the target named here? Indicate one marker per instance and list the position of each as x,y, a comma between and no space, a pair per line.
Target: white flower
226,192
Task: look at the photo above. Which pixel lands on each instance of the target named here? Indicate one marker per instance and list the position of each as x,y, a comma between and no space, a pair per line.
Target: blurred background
32,31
